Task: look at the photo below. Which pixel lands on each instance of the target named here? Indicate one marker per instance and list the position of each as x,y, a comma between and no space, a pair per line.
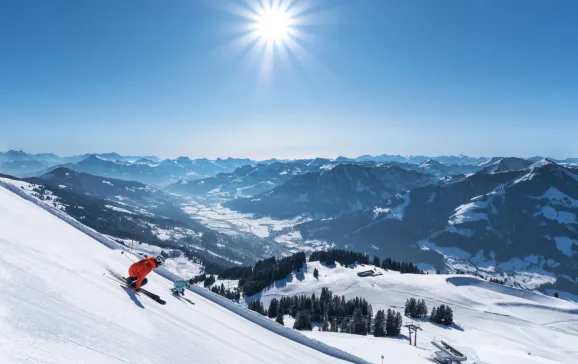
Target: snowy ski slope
493,323
57,306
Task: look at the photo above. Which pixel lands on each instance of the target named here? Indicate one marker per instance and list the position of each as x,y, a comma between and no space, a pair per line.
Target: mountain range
495,215
249,180
148,169
523,219
342,189
20,163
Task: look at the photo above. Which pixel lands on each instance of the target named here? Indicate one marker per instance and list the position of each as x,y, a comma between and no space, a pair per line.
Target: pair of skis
122,280
181,298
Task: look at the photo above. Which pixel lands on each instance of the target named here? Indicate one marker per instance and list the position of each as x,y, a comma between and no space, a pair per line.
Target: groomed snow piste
57,306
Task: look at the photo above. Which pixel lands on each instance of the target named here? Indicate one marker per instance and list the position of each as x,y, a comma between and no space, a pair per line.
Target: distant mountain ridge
249,180
342,189
20,163
506,165
145,170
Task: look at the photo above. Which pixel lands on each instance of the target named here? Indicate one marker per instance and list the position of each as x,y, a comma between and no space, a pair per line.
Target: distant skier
139,270
179,287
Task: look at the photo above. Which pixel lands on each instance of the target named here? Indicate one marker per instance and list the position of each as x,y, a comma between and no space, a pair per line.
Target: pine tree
433,314
298,321
345,325
412,307
306,318
316,273
449,316
441,314
376,261
293,310
273,308
369,318
334,325
389,323
359,327
406,311
351,327
379,324
325,326
421,309
398,323
279,319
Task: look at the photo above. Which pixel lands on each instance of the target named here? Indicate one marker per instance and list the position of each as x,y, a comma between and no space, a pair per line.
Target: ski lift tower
413,327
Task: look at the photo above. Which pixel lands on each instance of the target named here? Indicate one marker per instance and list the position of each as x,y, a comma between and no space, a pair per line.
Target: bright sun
273,25
272,32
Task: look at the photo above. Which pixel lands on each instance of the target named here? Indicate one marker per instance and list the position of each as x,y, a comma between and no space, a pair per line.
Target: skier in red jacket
139,270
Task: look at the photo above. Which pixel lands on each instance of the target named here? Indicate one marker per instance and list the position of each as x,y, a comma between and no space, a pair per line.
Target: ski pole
127,257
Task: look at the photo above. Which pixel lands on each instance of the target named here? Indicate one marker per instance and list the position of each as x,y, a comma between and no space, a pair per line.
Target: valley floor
276,232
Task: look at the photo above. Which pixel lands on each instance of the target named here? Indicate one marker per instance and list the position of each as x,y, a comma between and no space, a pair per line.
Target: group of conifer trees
334,313
443,315
346,257
232,294
415,308
418,309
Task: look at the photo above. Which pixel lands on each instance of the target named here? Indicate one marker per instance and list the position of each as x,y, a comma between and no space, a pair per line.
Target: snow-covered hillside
493,323
57,306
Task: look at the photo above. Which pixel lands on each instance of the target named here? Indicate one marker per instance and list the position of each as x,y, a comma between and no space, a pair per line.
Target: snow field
57,306
492,323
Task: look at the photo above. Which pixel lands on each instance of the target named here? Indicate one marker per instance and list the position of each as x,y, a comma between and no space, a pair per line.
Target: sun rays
271,32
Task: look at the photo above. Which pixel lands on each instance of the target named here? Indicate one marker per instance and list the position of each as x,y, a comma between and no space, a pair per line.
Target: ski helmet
160,260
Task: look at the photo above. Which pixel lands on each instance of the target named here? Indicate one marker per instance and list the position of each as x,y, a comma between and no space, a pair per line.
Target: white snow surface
469,212
57,306
232,222
395,213
119,209
566,245
493,323
557,197
561,217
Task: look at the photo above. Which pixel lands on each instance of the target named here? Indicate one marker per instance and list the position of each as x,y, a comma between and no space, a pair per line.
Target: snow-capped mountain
522,221
88,184
437,168
505,165
341,189
559,161
19,155
245,181
147,161
460,159
17,162
248,180
149,171
20,163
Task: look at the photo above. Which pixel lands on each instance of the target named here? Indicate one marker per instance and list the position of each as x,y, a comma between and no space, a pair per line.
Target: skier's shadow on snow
130,292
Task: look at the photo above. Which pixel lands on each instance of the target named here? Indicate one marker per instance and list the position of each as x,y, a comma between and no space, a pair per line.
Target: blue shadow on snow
131,293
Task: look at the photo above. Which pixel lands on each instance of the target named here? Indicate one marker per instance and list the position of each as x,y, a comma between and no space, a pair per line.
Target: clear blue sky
479,77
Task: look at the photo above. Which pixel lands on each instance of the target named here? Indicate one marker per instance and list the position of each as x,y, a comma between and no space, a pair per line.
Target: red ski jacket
141,268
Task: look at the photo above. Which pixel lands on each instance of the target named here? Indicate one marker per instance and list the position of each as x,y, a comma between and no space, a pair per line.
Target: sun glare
272,33
273,25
